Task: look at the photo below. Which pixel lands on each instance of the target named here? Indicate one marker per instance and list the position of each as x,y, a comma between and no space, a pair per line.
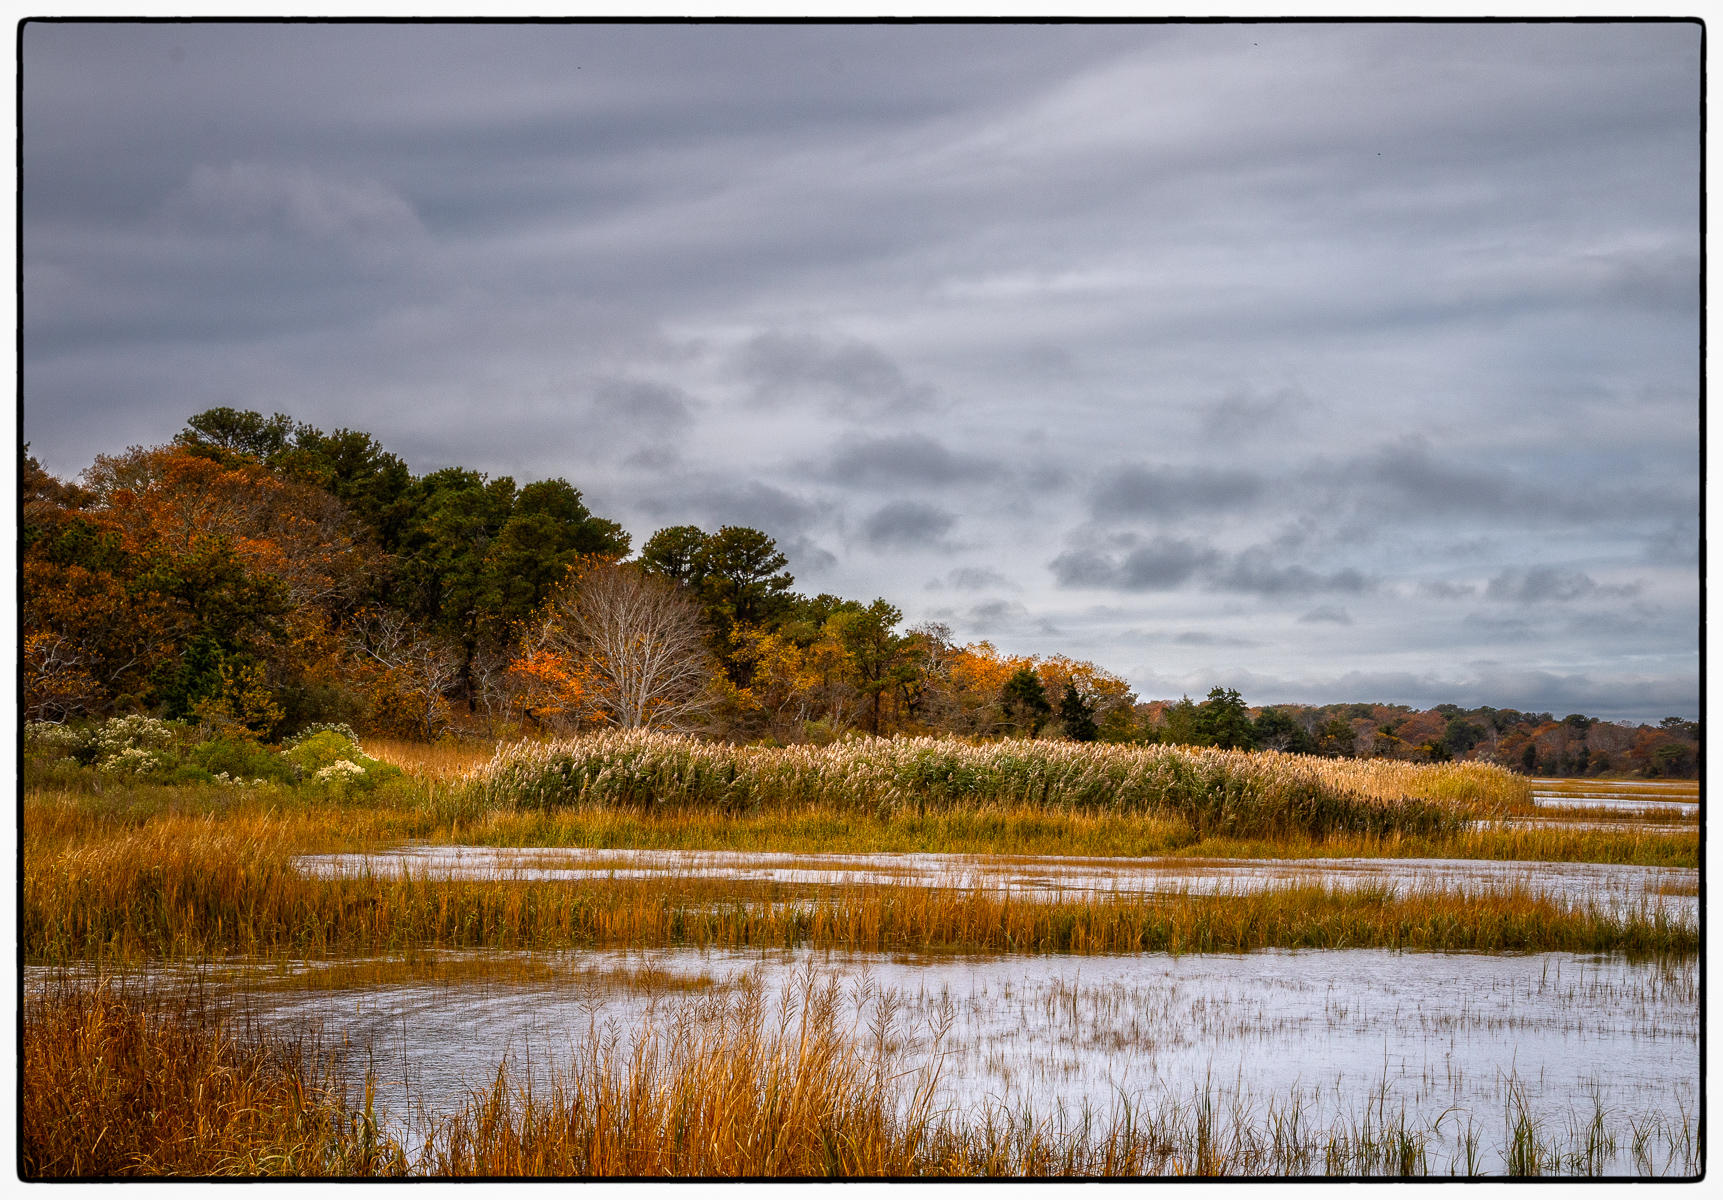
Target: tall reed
117,1083
736,1087
1219,792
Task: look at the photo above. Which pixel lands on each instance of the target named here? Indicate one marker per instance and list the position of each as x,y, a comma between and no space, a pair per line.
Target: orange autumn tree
206,588
1108,698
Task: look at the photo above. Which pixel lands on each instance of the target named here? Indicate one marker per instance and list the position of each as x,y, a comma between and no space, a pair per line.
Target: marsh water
1615,889
1350,1037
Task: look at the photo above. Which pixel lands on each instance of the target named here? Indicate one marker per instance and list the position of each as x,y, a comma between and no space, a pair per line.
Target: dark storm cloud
1441,589
1142,490
904,459
847,376
905,524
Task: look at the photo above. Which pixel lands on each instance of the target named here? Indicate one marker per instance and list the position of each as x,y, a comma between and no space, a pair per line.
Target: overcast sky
1327,362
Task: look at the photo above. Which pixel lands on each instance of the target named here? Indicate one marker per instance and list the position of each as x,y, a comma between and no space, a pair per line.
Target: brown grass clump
116,1084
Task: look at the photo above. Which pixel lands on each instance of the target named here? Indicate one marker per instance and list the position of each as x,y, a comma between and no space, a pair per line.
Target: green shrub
241,758
340,728
310,754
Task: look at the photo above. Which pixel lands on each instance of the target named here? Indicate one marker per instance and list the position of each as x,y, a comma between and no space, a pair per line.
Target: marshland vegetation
137,869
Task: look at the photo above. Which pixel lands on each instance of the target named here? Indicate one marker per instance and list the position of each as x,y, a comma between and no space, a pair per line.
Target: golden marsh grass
123,1084
186,887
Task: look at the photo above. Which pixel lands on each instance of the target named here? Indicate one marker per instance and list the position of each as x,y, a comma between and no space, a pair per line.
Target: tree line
262,575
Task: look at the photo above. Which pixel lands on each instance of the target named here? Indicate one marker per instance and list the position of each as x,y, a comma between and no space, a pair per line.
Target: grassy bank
84,809
189,886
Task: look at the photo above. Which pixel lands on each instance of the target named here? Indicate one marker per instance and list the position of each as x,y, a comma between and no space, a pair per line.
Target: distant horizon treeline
259,575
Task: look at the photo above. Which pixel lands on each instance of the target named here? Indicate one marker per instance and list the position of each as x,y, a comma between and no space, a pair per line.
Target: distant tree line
1535,743
260,574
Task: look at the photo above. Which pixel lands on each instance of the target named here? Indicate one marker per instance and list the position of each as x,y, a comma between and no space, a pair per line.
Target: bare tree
639,646
416,671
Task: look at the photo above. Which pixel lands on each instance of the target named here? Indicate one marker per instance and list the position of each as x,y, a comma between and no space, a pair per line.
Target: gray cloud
1243,414
1545,585
904,459
652,408
1326,614
1433,321
1410,478
1628,698
906,523
712,503
1140,490
297,202
1161,564
1195,638
1166,563
844,374
971,579
1253,571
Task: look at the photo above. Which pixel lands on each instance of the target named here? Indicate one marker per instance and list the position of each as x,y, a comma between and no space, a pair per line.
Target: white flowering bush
340,771
52,739
119,734
132,762
226,780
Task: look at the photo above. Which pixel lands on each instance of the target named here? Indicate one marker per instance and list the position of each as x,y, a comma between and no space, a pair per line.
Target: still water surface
1615,888
1344,1032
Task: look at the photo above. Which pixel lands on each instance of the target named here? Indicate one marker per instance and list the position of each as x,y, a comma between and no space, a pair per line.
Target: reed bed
119,1083
442,760
189,888
123,1083
733,1086
1217,792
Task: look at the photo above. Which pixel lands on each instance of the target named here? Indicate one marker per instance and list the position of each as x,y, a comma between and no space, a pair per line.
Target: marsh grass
442,760
151,871
721,1083
1215,792
488,969
734,1086
121,1083
190,887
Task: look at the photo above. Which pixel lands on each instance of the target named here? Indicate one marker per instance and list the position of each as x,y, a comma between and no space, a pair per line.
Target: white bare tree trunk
643,646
